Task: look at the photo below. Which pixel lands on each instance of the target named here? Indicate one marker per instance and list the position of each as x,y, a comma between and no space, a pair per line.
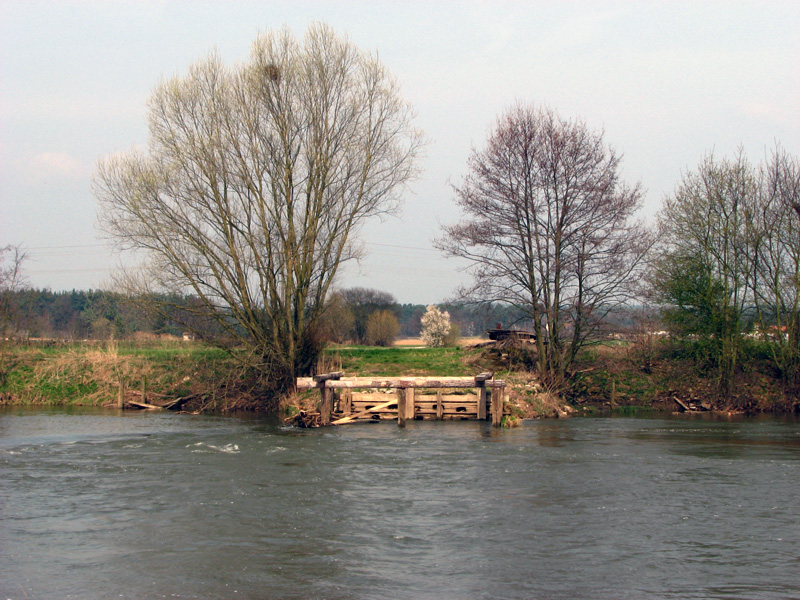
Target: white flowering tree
435,326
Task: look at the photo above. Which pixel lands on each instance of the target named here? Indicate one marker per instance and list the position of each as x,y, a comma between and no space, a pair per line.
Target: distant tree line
355,315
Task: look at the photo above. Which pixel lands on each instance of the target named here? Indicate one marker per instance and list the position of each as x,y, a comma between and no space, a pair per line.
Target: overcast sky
666,81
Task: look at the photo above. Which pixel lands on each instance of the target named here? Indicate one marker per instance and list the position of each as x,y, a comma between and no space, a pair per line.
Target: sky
667,82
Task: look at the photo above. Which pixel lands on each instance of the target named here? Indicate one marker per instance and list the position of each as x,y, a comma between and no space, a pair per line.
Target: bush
382,328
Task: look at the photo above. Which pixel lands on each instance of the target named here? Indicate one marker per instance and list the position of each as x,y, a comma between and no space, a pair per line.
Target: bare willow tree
548,227
256,181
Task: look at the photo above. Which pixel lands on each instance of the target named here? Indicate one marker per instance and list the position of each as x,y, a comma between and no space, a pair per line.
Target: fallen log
144,405
179,402
682,405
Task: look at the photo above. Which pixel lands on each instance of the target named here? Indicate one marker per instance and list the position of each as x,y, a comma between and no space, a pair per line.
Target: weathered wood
482,399
497,406
121,394
396,382
326,406
327,376
680,403
363,413
179,402
439,405
410,397
481,377
145,405
346,403
401,407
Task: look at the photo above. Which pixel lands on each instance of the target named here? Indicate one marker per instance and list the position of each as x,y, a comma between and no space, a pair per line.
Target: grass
90,373
397,361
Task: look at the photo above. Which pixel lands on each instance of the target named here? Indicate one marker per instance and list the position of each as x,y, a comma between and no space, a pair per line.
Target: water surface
95,505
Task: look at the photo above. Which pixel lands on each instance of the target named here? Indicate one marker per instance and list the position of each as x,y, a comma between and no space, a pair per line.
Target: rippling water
95,505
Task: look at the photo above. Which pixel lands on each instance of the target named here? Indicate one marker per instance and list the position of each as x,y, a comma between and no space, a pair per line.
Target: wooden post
480,381
326,407
401,407
497,395
346,405
439,406
409,393
121,396
144,389
326,404
482,398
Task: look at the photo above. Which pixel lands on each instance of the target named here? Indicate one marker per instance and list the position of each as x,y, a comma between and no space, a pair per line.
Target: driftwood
693,407
179,402
144,405
304,419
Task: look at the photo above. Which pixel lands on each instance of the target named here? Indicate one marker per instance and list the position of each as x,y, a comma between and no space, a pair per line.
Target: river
99,505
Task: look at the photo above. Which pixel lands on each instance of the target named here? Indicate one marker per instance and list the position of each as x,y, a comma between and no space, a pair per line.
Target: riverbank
606,377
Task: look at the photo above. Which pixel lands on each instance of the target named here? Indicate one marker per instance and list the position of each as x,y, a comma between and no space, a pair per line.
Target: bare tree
256,181
549,228
11,280
774,248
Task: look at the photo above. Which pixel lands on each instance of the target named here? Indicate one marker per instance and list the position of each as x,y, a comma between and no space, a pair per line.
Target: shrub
382,328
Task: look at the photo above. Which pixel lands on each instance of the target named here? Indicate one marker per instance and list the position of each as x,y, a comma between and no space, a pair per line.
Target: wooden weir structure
353,399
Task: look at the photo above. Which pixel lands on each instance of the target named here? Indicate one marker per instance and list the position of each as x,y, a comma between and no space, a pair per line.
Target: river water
98,505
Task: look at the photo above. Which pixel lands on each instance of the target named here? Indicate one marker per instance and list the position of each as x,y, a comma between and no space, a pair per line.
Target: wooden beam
483,398
409,404
363,413
401,407
398,382
346,403
497,406
326,406
481,377
327,376
439,405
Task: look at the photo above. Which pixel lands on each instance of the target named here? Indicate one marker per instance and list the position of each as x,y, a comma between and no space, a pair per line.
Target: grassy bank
86,373
606,376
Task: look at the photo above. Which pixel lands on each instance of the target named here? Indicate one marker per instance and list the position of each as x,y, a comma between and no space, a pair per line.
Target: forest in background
102,315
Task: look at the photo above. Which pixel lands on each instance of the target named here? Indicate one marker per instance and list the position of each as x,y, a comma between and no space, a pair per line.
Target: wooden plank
439,405
362,414
346,403
396,382
404,382
482,377
410,408
304,383
401,407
